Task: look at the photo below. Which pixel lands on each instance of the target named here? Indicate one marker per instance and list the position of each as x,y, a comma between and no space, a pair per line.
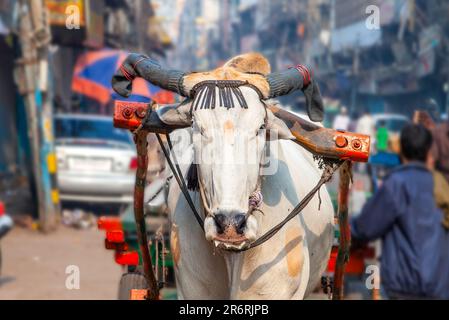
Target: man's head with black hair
416,141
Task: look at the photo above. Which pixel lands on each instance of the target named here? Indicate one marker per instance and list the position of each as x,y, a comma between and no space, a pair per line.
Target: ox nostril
240,223
221,222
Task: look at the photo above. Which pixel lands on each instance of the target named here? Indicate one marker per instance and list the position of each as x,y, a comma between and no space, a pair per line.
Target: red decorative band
127,75
306,74
138,61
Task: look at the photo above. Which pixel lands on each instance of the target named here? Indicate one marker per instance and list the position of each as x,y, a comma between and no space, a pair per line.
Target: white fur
262,272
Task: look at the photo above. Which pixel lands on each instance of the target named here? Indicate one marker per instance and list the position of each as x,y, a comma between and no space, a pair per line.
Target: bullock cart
334,150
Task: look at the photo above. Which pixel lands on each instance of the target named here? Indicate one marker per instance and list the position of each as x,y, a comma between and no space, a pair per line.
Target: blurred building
9,157
36,78
198,30
212,31
395,67
393,61
118,24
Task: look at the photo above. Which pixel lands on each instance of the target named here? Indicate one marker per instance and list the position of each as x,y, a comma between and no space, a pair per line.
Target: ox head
229,121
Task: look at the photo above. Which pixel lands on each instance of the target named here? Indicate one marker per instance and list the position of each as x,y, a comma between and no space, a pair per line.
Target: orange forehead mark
295,257
228,125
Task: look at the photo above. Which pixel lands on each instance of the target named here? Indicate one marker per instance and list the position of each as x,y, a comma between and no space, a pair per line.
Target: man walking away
403,213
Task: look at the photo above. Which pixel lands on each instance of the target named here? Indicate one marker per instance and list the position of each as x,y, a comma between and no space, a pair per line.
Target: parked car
96,162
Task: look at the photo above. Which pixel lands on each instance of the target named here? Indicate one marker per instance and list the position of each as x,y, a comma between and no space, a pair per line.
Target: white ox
228,147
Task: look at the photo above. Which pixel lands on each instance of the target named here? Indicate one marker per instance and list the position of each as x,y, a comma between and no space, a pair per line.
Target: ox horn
298,78
138,65
170,117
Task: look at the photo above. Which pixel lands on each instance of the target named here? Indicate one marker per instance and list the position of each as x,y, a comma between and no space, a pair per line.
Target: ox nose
235,221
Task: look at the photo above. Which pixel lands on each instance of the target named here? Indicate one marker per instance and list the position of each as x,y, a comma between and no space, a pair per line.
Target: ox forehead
206,93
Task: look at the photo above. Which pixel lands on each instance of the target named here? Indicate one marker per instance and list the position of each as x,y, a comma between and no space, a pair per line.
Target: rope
178,176
206,94
329,170
325,177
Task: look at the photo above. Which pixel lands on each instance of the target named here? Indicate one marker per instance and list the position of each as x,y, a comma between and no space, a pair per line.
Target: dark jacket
415,246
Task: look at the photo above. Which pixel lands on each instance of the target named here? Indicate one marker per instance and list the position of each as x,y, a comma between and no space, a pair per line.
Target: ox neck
234,264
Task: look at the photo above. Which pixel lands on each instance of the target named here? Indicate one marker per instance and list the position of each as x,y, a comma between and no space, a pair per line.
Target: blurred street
68,160
34,265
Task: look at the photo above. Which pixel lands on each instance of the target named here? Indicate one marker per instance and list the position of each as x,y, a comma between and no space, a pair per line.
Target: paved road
34,265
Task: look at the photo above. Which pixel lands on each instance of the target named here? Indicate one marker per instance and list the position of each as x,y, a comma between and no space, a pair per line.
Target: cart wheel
131,280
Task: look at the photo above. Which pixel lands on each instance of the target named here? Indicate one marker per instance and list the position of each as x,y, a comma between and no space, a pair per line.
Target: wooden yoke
324,142
320,141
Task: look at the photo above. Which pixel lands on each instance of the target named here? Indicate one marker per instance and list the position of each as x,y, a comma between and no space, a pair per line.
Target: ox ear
178,116
277,125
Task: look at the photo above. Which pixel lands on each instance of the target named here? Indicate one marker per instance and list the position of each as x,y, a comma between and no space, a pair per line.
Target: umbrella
92,78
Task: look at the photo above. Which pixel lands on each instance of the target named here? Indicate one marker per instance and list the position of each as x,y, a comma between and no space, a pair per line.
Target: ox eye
262,127
204,134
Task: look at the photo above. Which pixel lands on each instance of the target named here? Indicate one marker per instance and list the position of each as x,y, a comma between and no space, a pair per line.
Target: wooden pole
345,232
32,79
139,189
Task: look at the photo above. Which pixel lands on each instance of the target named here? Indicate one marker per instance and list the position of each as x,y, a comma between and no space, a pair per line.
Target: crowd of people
409,212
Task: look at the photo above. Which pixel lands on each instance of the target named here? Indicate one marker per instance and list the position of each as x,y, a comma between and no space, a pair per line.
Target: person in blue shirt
403,213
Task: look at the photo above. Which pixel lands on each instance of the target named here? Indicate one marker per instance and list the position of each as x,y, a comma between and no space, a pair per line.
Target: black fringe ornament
205,94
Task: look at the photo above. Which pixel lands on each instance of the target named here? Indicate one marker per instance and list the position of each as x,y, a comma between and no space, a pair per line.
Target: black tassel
192,178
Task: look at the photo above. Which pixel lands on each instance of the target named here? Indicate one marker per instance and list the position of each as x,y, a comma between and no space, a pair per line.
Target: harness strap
329,170
178,176
325,177
201,88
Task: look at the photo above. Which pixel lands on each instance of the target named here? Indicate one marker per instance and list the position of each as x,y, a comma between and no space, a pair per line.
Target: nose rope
256,198
255,201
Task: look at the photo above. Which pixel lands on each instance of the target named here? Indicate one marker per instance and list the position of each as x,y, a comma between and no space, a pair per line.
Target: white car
96,162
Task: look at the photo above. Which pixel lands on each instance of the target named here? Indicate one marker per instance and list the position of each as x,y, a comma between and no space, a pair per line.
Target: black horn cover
298,78
138,65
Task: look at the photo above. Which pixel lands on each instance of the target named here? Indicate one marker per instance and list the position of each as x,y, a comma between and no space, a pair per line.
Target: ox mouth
231,244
